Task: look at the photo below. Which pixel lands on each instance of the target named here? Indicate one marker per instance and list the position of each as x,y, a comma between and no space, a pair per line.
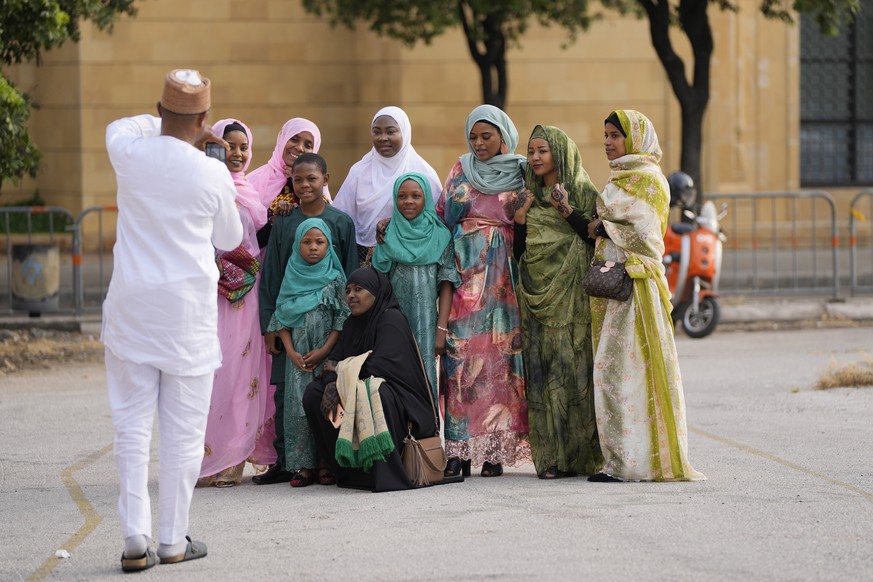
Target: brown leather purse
424,460
608,279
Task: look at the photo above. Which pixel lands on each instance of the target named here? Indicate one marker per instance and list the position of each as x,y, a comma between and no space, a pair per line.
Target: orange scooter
692,259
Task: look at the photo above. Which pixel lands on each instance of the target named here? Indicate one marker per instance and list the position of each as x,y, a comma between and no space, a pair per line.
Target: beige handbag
424,460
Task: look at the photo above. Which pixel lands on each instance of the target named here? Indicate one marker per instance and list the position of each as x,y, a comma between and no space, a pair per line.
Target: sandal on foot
325,477
303,478
551,473
144,562
492,469
194,551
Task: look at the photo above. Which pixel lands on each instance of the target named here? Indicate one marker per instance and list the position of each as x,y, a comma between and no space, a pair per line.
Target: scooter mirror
689,214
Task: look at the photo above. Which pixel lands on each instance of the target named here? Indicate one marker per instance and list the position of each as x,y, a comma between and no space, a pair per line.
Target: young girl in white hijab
367,194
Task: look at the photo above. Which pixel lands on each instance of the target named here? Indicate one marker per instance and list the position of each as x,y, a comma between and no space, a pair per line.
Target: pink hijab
246,194
270,178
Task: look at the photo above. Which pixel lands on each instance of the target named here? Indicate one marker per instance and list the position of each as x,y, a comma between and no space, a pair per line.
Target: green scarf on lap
363,436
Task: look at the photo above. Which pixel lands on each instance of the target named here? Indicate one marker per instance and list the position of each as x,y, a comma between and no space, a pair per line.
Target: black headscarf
359,332
614,120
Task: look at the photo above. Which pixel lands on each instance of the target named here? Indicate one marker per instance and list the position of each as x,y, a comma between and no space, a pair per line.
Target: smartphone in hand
217,151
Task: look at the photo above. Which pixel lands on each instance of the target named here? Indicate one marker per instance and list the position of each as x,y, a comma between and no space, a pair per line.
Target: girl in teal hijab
417,254
310,312
413,241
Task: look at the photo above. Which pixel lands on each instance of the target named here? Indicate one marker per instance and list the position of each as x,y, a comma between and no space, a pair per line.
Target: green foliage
28,27
412,21
18,156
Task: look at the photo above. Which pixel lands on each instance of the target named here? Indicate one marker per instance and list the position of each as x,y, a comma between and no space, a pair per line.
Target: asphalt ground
789,494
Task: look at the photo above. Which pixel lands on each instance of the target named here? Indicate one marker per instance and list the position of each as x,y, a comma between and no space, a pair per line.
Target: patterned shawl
366,193
270,178
363,437
635,204
420,241
303,283
503,172
555,257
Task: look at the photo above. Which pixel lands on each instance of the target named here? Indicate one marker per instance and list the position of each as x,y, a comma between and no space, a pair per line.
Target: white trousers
183,405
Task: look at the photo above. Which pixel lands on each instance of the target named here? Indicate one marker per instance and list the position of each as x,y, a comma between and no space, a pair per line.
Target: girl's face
485,140
299,144
410,199
613,142
386,136
539,157
359,299
308,182
313,246
238,154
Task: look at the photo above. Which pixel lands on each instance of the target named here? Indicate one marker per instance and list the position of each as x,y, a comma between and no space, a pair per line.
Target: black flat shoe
273,475
492,469
603,478
456,466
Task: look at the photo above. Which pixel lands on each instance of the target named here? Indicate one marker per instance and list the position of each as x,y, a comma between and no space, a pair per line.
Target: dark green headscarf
555,257
303,283
420,241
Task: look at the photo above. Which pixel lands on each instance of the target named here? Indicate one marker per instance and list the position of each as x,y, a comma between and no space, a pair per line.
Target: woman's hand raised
523,203
560,200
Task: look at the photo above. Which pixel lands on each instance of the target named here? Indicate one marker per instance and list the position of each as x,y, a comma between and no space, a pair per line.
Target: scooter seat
681,228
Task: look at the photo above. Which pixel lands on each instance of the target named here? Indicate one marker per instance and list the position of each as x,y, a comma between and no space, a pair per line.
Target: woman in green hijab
554,250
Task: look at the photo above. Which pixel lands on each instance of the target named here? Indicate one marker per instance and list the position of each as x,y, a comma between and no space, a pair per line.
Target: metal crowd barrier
82,285
779,243
857,215
79,267
57,223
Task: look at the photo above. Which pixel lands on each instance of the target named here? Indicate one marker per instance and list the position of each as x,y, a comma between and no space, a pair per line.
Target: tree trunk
487,31
693,97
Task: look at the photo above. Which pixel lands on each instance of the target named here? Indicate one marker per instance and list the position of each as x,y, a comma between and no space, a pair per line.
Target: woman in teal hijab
486,410
417,254
310,312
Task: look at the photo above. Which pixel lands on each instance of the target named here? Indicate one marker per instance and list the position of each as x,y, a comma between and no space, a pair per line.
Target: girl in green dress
417,254
309,316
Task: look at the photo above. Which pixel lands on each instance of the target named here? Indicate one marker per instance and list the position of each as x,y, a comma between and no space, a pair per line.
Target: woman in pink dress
239,427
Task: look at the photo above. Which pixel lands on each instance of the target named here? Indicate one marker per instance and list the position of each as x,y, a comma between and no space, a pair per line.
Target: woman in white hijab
367,195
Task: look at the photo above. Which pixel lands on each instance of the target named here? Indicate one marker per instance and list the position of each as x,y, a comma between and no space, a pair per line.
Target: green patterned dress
330,315
417,291
557,321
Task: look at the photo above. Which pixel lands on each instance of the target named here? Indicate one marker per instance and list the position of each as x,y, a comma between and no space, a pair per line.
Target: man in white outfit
175,207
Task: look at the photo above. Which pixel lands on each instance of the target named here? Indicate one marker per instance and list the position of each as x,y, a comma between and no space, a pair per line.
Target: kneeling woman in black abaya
376,324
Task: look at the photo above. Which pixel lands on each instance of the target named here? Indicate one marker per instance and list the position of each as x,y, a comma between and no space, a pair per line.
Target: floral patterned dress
417,288
486,410
638,393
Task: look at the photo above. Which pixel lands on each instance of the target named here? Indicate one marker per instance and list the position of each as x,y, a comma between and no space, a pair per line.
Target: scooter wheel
702,322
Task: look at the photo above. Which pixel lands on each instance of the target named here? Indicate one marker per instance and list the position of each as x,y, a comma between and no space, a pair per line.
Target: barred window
836,104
